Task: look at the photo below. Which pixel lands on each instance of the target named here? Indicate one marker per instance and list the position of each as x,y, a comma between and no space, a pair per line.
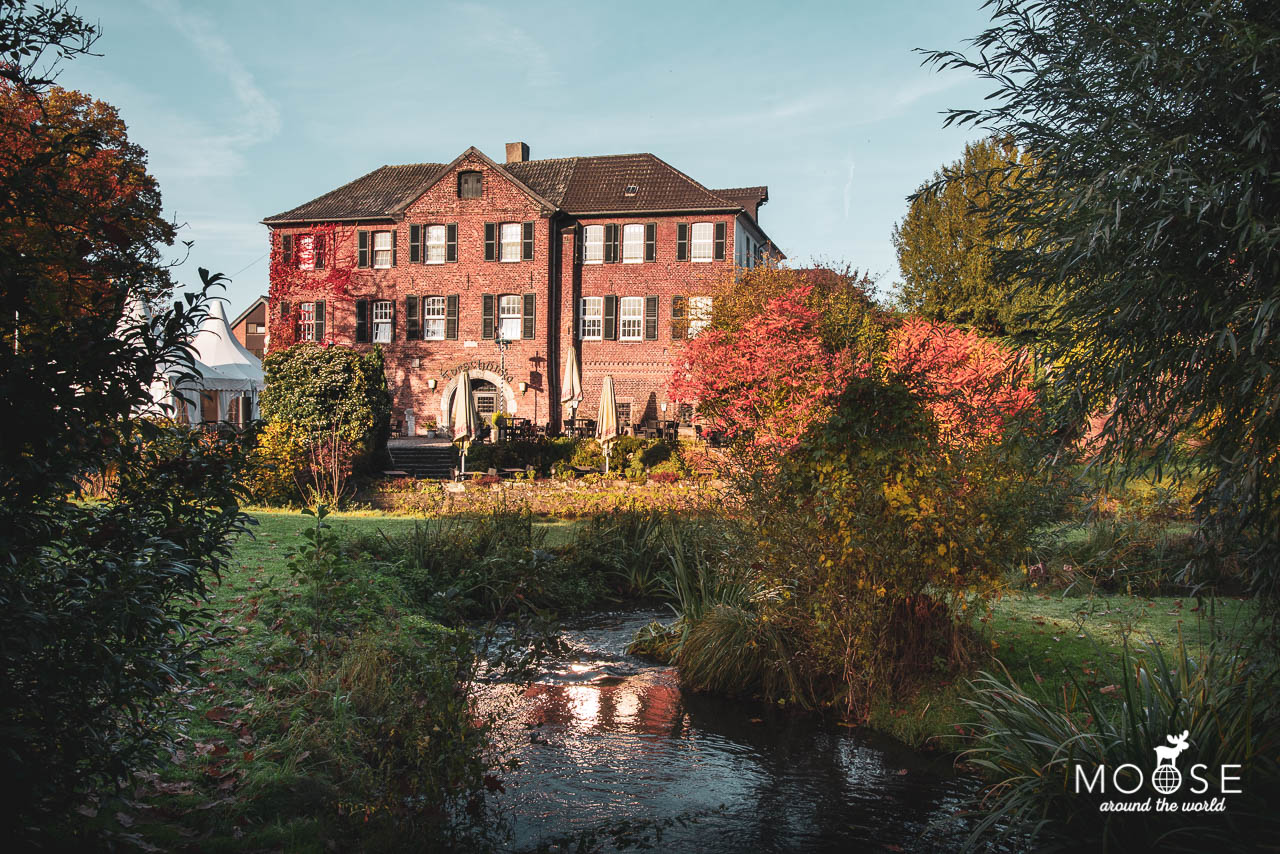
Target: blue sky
250,108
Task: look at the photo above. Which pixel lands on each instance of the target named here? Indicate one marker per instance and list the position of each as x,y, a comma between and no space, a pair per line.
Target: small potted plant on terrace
429,426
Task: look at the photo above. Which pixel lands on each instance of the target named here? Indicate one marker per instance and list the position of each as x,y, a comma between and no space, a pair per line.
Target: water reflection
602,737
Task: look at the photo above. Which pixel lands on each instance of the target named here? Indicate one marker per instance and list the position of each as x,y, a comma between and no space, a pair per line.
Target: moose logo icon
1166,779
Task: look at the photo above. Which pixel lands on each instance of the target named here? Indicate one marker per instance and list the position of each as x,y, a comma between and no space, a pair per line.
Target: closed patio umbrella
607,420
465,420
571,385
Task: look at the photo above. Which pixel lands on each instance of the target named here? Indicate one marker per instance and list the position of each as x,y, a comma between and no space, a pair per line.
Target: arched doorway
484,383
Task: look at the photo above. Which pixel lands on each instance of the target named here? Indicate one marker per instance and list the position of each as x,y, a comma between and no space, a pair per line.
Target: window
307,321
436,242
624,412
433,318
704,235
469,185
632,314
510,242
592,318
382,252
699,314
593,244
510,317
382,319
306,252
633,243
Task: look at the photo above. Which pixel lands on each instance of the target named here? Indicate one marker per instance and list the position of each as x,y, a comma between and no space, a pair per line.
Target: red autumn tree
972,385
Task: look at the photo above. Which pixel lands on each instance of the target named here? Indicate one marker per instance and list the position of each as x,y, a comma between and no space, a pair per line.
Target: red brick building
440,263
250,327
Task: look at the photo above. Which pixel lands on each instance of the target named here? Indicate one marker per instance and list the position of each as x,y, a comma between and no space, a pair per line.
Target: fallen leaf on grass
125,820
1108,689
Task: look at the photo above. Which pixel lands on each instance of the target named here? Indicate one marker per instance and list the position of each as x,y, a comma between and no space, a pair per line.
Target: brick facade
555,279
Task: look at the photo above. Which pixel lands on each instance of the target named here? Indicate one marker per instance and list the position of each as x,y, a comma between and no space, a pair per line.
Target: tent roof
217,347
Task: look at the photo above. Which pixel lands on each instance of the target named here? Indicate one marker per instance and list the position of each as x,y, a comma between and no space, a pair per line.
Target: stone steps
434,462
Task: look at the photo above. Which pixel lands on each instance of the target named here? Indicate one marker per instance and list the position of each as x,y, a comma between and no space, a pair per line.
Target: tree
100,602
1150,220
945,246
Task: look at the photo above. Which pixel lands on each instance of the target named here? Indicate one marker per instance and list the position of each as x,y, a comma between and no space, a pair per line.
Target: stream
603,737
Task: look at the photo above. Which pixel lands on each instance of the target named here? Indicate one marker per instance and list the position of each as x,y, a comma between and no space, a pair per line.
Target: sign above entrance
476,365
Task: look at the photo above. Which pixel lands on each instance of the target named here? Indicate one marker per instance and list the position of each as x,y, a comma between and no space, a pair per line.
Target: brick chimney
517,152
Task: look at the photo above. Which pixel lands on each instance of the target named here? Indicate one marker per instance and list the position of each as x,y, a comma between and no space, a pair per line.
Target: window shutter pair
286,249
490,242
611,253
651,241
651,318
319,319
682,241
679,325
720,241
412,319
451,317
416,253
362,249
610,325
528,319
362,322
526,244
487,320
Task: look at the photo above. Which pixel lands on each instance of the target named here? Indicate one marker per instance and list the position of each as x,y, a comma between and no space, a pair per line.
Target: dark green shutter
486,327
651,318
527,242
451,317
286,249
362,321
415,244
395,234
451,242
528,318
678,323
362,249
720,241
413,330
651,241
319,318
318,244
682,241
393,319
610,318
490,241
611,254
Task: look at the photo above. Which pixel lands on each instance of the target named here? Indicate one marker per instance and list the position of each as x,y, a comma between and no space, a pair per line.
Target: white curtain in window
704,235
632,243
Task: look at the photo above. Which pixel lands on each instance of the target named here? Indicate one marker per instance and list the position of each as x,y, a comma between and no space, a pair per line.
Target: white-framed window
307,321
382,250
633,243
703,239
592,318
699,314
306,252
436,237
593,244
433,318
382,321
631,318
510,317
510,241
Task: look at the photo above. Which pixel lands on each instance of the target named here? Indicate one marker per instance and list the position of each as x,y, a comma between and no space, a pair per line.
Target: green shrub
1030,746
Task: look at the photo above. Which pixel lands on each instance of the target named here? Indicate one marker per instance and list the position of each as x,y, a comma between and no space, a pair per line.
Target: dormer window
469,185
630,190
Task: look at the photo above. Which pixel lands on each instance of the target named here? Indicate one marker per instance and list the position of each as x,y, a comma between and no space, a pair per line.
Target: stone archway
446,394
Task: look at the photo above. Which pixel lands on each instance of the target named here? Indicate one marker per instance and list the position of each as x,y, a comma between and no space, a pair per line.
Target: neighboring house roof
620,183
240,318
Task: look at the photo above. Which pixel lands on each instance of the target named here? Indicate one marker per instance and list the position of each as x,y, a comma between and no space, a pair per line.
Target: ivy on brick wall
314,388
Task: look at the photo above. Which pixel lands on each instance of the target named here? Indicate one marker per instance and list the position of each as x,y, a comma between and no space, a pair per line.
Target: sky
250,108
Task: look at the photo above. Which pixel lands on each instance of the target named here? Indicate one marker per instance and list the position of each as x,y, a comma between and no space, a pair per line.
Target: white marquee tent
227,372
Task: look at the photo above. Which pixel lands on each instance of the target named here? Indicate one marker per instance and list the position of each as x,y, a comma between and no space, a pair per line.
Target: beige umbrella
607,420
466,421
571,385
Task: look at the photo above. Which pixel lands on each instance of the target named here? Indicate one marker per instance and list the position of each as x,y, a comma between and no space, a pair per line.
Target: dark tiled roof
576,185
748,198
377,194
